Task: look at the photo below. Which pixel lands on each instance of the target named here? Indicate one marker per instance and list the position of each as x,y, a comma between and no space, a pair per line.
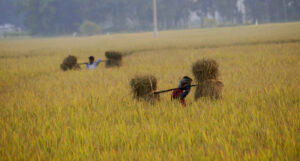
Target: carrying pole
168,90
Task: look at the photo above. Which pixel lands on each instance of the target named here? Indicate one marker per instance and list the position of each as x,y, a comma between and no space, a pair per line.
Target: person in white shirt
92,64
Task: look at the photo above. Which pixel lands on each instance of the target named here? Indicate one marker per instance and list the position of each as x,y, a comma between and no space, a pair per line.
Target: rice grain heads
143,87
114,59
206,73
69,63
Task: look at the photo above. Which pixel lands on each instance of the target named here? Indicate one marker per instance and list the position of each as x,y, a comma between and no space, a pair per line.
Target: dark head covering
185,81
91,58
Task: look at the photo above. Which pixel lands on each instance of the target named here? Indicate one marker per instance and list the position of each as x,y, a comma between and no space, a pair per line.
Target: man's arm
98,61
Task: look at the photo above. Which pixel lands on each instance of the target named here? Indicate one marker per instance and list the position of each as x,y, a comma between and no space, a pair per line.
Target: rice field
49,114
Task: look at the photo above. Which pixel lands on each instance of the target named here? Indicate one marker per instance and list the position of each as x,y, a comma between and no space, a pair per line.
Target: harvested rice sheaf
69,63
77,67
114,59
143,87
113,63
64,67
205,69
113,55
209,88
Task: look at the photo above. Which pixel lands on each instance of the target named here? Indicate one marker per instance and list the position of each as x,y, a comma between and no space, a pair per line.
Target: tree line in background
56,17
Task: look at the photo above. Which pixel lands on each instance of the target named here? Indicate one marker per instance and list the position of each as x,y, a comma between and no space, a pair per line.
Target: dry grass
209,88
48,114
114,59
69,63
206,72
113,63
143,86
205,69
113,55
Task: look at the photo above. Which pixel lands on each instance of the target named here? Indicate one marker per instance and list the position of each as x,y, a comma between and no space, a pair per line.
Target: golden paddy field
48,114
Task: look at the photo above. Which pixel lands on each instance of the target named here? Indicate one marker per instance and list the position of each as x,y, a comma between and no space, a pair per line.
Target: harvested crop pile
206,72
114,59
113,63
113,55
205,69
69,63
143,87
209,88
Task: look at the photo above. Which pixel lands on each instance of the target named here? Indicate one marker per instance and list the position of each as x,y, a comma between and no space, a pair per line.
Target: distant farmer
183,90
92,64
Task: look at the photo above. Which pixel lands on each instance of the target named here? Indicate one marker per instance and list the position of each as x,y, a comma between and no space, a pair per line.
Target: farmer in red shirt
183,90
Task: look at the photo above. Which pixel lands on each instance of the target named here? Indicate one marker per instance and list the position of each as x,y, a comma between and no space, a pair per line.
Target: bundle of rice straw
69,63
209,88
205,69
143,87
206,73
114,59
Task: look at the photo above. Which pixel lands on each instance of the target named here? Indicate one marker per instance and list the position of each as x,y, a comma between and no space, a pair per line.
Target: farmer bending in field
183,90
92,64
